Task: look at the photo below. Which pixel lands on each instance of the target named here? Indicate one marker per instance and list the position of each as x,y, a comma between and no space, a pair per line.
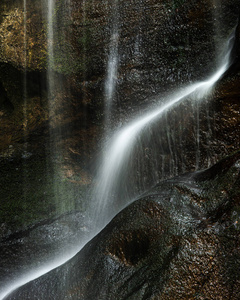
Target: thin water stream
112,65
25,118
25,61
120,149
55,132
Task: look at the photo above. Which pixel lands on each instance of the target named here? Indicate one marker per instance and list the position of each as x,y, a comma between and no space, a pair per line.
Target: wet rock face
179,241
26,250
194,135
153,37
161,45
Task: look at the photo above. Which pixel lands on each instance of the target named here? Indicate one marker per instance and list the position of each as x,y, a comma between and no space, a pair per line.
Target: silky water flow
119,150
112,65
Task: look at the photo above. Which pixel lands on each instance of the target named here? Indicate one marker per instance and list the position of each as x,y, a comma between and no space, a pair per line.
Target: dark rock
39,245
162,45
178,242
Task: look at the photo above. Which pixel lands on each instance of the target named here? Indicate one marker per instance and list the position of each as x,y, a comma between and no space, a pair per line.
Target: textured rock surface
40,245
181,241
162,44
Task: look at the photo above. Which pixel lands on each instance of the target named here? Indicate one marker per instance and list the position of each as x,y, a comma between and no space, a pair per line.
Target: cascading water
55,132
112,66
50,37
84,45
197,136
119,151
25,125
25,60
50,77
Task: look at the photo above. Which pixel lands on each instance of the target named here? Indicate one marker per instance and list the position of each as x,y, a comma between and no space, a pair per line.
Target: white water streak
36,273
25,69
117,154
119,151
112,67
197,136
50,34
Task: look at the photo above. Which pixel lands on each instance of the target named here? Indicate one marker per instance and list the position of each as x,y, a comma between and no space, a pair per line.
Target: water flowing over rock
72,75
179,241
113,179
160,46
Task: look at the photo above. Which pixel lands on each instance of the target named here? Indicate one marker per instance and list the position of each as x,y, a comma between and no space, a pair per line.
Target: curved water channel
118,154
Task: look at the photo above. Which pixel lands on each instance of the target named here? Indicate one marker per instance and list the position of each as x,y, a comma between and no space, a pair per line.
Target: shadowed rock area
162,46
180,241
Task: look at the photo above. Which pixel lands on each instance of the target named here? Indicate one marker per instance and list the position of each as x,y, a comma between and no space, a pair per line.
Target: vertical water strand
138,59
112,65
217,24
182,165
53,134
197,133
109,86
171,155
208,136
50,37
174,146
84,54
163,166
69,8
142,152
25,118
25,67
50,81
84,47
196,109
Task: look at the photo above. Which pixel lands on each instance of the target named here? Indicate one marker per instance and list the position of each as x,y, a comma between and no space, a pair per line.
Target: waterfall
197,136
50,36
117,157
119,150
55,132
84,45
112,65
52,167
25,117
50,57
25,62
